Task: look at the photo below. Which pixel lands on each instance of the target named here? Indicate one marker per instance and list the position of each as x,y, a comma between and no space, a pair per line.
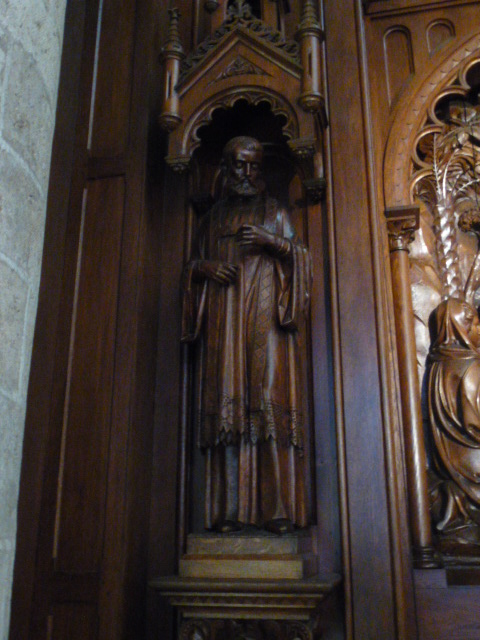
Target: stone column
31,35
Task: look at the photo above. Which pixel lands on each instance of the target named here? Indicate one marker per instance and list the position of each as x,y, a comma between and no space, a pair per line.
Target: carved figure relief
445,282
454,412
246,291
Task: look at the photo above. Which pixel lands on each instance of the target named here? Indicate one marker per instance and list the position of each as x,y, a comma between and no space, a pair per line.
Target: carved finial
211,5
170,116
240,9
309,16
310,35
173,44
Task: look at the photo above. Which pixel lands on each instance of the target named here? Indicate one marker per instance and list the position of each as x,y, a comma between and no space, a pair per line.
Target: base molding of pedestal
209,606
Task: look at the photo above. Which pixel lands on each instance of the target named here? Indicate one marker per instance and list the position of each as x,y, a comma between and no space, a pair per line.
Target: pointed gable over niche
241,23
245,59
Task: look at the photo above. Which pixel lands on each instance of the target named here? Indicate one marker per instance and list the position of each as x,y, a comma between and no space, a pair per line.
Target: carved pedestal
245,556
245,587
245,609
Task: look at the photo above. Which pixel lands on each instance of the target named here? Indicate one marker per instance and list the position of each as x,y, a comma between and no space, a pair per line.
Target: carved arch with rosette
418,104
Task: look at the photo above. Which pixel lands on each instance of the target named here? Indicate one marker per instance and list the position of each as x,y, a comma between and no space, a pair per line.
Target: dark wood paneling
93,367
446,613
398,60
168,397
35,449
73,622
112,84
376,606
83,468
461,18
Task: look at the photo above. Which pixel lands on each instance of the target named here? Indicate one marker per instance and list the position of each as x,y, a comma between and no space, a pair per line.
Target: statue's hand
250,235
222,272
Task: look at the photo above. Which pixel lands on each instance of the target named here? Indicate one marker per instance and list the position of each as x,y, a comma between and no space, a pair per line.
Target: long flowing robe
249,389
454,410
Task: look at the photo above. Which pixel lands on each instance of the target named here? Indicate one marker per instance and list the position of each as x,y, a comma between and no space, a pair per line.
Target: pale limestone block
7,553
11,436
22,215
56,9
28,119
39,30
13,303
3,57
29,329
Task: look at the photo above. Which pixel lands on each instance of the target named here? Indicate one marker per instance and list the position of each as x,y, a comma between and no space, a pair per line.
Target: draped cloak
248,377
454,406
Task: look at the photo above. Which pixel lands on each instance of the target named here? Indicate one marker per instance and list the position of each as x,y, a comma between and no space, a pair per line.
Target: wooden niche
247,79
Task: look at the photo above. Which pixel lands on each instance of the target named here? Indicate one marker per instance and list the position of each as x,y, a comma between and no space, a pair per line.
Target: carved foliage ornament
245,630
447,181
241,67
401,232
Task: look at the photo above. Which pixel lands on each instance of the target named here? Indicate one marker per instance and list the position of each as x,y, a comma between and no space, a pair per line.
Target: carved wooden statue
446,285
246,291
454,409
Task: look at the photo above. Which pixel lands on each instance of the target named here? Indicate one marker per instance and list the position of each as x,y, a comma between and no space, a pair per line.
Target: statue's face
244,172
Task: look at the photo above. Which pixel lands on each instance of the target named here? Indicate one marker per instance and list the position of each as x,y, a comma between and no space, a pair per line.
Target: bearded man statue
246,293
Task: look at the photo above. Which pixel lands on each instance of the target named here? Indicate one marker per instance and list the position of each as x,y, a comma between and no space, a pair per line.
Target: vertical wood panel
95,385
439,32
83,477
36,469
367,508
163,514
446,612
73,622
112,83
398,60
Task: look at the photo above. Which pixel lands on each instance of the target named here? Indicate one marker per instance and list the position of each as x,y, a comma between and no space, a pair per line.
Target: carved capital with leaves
402,222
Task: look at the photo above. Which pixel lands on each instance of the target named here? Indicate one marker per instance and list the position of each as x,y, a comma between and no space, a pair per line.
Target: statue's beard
244,187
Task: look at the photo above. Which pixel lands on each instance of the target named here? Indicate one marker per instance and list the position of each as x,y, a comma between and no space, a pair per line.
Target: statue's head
242,164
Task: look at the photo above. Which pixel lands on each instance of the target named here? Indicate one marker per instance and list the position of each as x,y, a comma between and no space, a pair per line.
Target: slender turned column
402,222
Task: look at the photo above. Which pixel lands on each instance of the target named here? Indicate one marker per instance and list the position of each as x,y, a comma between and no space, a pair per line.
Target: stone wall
31,33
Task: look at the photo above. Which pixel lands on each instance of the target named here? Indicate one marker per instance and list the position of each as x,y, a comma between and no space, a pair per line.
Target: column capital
402,222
